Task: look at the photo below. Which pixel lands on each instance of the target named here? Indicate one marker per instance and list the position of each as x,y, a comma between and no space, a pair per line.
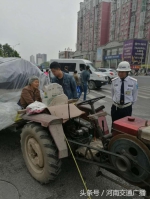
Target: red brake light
111,73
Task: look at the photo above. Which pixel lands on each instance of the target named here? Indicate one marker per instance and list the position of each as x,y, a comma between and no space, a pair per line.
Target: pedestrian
65,80
145,71
85,76
30,93
66,69
136,71
78,83
124,91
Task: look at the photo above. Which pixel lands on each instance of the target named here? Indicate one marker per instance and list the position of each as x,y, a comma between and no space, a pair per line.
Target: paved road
68,185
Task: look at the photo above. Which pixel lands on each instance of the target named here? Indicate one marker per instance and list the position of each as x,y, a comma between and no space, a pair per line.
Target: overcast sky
40,26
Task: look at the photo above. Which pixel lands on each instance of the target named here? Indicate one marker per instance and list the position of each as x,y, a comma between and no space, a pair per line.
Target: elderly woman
30,93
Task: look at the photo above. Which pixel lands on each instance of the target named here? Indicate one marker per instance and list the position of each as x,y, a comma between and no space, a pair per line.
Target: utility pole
141,58
148,52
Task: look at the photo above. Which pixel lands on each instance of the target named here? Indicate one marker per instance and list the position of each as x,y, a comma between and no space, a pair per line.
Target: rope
77,167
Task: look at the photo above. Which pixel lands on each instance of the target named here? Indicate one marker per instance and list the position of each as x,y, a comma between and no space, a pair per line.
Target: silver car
111,73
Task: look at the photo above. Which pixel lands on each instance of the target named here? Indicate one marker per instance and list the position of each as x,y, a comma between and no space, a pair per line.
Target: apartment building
32,59
92,28
129,19
41,58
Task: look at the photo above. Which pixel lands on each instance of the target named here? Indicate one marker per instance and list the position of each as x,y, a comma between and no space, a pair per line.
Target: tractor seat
88,109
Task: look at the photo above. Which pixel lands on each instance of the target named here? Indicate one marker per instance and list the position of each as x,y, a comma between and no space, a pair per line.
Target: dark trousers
118,113
85,90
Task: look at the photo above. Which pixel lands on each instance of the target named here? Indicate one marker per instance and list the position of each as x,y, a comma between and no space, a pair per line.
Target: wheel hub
35,153
130,148
123,164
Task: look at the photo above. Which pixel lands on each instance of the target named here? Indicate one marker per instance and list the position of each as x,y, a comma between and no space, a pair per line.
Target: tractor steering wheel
91,101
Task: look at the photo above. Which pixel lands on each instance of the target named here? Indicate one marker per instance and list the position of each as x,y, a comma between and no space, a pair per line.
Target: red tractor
124,152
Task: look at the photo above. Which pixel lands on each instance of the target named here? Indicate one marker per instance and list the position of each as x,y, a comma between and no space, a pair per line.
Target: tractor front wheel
40,153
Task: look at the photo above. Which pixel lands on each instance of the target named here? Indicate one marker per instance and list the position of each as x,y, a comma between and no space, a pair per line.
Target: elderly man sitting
30,93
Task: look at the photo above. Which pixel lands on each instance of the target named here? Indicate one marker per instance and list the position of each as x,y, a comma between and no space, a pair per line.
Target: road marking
102,94
144,93
109,96
143,97
92,96
107,91
140,92
144,87
148,86
145,90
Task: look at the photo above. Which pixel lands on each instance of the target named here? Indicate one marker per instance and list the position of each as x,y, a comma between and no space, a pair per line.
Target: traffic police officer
124,92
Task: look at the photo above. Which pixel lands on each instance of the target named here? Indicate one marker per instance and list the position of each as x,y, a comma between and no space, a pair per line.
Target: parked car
111,73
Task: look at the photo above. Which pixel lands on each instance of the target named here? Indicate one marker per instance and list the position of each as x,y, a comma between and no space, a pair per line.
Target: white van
97,79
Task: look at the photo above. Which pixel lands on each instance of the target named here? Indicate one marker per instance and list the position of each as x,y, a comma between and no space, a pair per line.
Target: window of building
108,52
133,19
120,50
114,52
118,3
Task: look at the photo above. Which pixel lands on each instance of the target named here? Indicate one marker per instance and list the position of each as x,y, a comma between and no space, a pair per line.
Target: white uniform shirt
130,90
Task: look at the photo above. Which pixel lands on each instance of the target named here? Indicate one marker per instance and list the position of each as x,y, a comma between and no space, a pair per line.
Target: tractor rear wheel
40,153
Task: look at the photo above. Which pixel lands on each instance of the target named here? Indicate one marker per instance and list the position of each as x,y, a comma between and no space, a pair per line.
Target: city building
109,55
32,59
44,57
103,27
41,58
66,54
129,19
92,28
135,51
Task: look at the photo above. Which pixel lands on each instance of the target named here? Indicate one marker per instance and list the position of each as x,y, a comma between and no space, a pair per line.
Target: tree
1,50
7,51
45,65
16,54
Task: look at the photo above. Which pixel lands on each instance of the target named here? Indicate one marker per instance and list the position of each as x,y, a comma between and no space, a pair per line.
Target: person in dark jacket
65,80
85,76
30,93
